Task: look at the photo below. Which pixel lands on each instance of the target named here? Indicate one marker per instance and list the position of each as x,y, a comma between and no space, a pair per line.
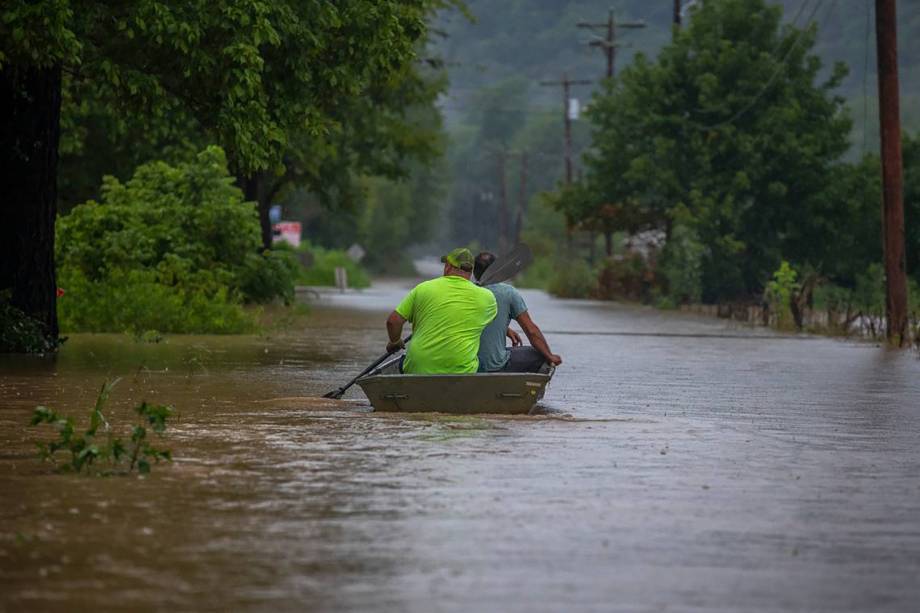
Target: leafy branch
98,444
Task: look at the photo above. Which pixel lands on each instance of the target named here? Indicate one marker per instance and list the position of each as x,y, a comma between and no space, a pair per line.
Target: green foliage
733,122
20,333
626,277
269,275
98,443
572,279
911,158
268,67
682,261
398,215
779,292
136,301
322,271
869,293
173,249
537,275
863,303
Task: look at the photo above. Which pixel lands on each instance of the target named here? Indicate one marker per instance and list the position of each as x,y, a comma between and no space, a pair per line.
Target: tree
250,74
911,157
731,121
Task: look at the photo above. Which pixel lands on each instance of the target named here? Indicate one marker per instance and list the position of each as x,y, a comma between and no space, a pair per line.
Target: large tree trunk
255,189
30,112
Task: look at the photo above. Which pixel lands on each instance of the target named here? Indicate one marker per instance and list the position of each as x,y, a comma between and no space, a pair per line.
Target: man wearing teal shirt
494,356
448,315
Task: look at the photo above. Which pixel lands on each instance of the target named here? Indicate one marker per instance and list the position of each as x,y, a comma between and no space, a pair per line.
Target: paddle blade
508,265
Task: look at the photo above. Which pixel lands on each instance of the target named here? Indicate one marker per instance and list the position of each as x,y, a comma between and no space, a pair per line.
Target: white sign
356,253
574,109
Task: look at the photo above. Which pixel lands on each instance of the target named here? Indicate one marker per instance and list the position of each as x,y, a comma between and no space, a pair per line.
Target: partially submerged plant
98,444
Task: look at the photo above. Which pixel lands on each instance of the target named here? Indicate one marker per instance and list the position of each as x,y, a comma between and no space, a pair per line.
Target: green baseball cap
460,258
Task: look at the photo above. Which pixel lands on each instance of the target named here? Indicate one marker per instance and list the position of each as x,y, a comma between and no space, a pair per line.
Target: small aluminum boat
506,393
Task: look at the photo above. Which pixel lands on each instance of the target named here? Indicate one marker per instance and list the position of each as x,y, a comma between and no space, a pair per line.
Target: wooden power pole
567,84
677,14
503,204
892,185
522,200
609,44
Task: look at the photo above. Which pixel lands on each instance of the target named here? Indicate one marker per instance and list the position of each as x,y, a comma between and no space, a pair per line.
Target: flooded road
677,464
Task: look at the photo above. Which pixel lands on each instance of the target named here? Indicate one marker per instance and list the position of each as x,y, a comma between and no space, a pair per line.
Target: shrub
98,444
175,248
20,333
137,300
322,271
538,275
628,278
271,274
572,278
682,265
779,293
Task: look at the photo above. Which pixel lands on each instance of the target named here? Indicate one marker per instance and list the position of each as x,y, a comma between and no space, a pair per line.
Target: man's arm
536,338
395,323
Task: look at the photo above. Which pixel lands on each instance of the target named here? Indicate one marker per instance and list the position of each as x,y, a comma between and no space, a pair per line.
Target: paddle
506,266
502,269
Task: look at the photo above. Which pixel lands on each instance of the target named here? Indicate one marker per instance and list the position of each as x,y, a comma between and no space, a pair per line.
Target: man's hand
536,338
515,338
393,347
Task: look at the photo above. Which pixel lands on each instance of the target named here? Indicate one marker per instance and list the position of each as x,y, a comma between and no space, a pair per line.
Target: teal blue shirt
493,354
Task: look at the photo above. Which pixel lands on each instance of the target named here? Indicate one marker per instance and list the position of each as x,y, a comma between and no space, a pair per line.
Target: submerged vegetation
98,449
20,333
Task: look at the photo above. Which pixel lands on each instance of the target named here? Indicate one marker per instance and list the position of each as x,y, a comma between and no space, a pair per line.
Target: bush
627,278
572,278
322,271
538,275
779,293
136,301
19,333
174,249
264,277
682,265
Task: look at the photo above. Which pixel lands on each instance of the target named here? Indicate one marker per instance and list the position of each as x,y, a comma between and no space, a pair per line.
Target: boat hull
504,393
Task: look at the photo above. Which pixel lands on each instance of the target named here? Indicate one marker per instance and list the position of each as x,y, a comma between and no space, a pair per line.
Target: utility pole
609,44
566,84
892,187
677,14
522,200
502,204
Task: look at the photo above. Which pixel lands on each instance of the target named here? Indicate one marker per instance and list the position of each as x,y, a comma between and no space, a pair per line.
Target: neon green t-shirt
448,315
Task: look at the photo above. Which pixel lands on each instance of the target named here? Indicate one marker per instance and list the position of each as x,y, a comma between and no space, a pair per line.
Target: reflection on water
683,464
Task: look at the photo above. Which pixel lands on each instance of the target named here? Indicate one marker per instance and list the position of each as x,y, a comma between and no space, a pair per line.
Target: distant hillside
533,40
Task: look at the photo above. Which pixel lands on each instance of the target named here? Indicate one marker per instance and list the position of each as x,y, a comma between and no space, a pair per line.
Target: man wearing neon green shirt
448,315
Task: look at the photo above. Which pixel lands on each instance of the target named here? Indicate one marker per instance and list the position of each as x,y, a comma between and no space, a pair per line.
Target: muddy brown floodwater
676,464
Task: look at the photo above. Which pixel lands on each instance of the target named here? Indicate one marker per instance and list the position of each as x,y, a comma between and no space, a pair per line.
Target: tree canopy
734,122
310,84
